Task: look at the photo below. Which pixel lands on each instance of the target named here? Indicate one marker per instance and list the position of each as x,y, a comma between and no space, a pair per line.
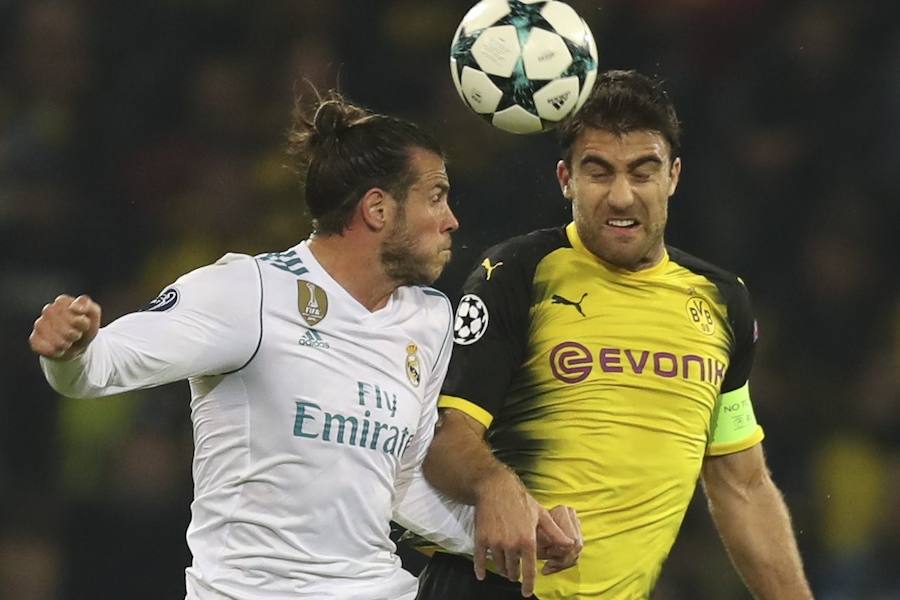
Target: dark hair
622,102
343,150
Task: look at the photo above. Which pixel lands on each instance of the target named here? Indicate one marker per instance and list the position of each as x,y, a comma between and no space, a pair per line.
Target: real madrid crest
412,364
312,302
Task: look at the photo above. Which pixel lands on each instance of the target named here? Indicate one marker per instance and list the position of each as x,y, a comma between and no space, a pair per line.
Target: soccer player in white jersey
314,374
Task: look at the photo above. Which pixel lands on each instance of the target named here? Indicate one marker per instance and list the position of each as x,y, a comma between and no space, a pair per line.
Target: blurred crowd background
142,139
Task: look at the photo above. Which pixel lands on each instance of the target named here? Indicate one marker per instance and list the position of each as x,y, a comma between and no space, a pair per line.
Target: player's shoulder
511,264
224,286
433,303
232,268
288,262
730,285
428,317
529,247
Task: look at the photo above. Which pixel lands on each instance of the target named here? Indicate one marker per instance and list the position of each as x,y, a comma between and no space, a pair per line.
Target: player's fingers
80,323
93,312
70,334
512,565
529,568
498,555
55,325
579,536
552,531
81,304
550,567
553,566
63,300
478,559
562,516
50,344
40,346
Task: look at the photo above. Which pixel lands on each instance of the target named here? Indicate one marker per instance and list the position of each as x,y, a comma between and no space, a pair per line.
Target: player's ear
674,175
373,208
564,176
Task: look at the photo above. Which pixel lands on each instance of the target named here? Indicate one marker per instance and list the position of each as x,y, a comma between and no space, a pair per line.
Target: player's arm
208,324
744,502
753,521
417,505
510,524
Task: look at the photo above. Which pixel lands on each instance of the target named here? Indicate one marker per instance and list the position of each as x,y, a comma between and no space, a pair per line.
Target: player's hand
65,328
560,557
506,523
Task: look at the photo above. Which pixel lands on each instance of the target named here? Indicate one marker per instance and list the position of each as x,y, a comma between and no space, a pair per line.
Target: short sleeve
733,426
745,333
491,325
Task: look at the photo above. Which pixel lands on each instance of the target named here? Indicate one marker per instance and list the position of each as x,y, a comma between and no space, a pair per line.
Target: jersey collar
578,245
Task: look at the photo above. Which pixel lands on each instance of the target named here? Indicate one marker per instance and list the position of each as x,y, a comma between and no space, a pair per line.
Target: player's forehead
429,168
618,147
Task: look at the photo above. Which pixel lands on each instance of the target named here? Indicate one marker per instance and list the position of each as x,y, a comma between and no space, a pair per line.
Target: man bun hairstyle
623,102
342,150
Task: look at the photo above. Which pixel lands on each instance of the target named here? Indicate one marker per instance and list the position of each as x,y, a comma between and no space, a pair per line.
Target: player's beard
405,262
632,256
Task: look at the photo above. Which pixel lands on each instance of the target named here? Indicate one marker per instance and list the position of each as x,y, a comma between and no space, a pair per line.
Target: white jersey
311,418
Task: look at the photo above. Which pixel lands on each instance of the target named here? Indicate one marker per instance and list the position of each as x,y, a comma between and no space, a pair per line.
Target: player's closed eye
641,176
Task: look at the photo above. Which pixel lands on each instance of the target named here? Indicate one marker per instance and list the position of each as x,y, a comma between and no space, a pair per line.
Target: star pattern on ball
500,90
518,88
582,61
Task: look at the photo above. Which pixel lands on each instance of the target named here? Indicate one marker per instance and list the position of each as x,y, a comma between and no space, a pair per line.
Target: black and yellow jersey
604,389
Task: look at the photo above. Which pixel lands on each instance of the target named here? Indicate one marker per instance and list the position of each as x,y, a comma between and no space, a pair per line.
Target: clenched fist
65,328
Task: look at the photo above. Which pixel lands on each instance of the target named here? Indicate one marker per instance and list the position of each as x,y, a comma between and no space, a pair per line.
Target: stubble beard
625,256
402,261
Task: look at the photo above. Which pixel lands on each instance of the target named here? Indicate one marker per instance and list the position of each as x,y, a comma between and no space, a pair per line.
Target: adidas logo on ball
559,101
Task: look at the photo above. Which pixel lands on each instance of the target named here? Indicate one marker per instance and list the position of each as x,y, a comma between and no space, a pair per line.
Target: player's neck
354,264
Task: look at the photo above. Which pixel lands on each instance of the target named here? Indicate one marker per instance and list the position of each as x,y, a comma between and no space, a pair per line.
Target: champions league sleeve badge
471,320
166,300
413,373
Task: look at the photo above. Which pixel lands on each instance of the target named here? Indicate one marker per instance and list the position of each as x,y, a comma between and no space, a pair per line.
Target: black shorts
451,577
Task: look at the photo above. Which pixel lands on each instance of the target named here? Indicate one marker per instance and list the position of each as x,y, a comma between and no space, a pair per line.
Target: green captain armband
734,427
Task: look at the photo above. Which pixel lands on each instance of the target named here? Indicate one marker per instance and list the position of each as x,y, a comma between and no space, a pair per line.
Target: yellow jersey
604,389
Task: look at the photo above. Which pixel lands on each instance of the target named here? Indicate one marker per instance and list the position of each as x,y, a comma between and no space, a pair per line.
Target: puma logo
489,267
560,300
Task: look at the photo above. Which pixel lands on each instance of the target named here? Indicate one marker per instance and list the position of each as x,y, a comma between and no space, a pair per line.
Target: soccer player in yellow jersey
597,367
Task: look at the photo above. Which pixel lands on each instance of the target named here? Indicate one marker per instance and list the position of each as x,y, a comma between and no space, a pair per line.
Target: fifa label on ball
523,66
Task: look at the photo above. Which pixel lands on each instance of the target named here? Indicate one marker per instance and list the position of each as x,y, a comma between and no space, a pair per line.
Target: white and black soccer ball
523,65
471,320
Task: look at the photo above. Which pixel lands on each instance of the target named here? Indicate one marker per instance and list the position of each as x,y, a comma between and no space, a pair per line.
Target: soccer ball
523,65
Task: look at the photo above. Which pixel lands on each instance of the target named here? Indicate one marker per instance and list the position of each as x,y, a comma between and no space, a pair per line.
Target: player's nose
620,193
451,223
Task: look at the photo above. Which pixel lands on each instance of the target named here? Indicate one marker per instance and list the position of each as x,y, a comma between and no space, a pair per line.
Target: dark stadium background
141,139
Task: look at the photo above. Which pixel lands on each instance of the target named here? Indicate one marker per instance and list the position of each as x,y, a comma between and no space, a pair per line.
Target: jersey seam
448,336
259,339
